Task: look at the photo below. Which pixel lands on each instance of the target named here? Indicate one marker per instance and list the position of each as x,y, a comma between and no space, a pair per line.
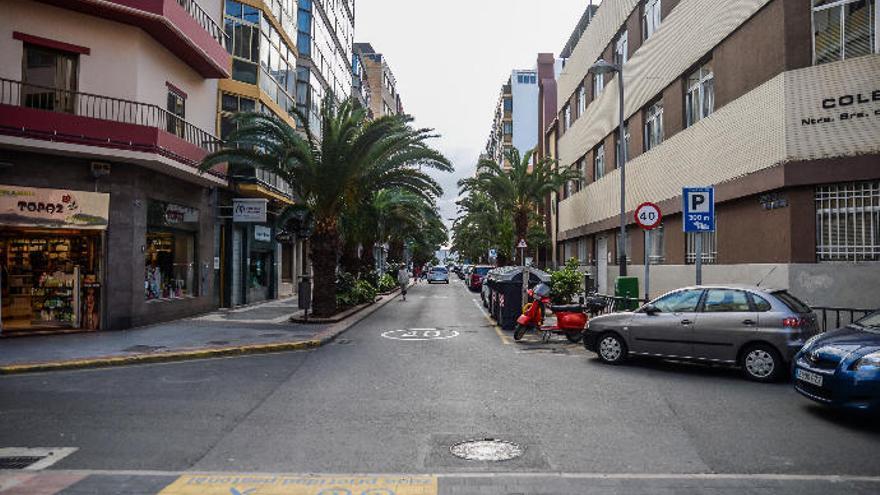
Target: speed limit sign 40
648,216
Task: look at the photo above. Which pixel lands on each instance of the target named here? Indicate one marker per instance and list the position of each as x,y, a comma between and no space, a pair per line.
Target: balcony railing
16,93
204,20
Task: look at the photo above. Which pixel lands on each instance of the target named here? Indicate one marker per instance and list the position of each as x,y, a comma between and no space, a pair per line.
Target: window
508,128
599,162
582,171
709,249
508,104
726,301
231,104
848,222
628,246
700,97
50,79
176,113
654,126
566,117
622,157
651,20
684,301
844,29
761,304
621,48
598,85
582,100
654,245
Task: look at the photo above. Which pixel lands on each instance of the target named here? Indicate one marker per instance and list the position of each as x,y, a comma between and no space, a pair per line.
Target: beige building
775,103
378,82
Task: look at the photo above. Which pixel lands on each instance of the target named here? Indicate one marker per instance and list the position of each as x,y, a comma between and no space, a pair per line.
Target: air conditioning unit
100,169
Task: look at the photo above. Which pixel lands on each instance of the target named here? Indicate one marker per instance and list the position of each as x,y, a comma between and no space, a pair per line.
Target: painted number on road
417,334
259,484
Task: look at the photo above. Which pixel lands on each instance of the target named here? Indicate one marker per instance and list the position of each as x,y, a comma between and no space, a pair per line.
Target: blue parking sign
699,209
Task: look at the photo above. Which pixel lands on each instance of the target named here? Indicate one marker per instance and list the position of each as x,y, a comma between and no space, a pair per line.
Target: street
379,401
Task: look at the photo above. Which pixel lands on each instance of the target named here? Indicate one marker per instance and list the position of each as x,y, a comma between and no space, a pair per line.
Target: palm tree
519,189
352,157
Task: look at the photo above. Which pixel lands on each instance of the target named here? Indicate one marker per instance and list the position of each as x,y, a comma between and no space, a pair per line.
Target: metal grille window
710,250
844,29
848,222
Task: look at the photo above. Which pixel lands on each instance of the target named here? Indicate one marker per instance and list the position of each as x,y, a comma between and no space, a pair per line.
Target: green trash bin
627,287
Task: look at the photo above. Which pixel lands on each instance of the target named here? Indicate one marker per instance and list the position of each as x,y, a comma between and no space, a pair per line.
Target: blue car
842,368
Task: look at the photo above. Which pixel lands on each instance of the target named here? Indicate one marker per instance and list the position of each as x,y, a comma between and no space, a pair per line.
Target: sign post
522,256
648,217
699,217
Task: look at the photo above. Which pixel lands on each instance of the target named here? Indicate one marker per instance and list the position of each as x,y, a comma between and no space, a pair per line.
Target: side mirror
650,309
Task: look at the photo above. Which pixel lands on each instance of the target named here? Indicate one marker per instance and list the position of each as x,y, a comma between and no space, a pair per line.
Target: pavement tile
22,483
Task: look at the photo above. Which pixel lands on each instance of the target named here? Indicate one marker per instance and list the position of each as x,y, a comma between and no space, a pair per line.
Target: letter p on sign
699,202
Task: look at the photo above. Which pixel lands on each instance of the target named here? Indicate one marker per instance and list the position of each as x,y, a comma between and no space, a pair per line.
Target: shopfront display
51,259
170,263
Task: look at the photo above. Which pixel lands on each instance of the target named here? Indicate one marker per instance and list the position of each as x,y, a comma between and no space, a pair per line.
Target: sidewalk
254,329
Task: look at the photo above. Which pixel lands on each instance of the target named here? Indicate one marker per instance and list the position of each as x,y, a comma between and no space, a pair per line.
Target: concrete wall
130,187
125,62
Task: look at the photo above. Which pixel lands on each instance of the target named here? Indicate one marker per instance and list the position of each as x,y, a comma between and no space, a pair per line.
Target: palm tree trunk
325,248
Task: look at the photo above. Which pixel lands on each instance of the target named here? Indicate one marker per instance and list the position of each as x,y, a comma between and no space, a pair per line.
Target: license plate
809,377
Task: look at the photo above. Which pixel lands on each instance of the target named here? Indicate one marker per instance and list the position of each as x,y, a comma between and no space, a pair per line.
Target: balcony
73,118
181,26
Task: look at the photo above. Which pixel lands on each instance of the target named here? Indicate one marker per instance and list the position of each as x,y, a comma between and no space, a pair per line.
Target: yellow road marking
504,338
259,484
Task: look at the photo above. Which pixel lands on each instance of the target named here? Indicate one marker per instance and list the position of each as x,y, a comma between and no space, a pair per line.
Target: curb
321,338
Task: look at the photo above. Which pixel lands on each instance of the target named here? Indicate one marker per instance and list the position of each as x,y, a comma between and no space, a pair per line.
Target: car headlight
812,340
868,361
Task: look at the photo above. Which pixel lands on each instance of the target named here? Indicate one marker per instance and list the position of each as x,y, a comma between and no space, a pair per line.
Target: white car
438,274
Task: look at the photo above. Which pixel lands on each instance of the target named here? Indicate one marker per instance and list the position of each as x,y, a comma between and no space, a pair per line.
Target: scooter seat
567,308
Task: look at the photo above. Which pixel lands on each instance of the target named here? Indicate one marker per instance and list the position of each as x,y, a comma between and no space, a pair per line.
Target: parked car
465,272
438,274
757,329
842,368
476,276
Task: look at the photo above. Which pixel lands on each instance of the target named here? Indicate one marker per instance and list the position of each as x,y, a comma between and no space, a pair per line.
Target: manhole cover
488,449
19,462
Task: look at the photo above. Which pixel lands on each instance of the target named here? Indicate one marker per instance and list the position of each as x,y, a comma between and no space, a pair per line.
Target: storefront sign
163,214
249,210
54,208
262,234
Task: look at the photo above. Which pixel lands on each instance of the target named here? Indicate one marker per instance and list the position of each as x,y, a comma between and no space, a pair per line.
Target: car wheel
761,363
611,348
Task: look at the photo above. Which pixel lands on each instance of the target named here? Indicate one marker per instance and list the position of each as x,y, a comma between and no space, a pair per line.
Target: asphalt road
372,404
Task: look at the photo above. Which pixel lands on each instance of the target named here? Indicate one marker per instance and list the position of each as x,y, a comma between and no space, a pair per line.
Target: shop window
49,280
848,222
170,251
259,270
49,79
844,29
710,251
700,97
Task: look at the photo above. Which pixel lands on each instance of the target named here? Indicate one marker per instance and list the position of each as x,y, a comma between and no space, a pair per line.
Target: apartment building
775,103
515,123
379,81
106,109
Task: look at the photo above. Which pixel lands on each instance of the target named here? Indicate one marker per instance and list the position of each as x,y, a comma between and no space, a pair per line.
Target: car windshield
482,271
792,302
438,270
872,321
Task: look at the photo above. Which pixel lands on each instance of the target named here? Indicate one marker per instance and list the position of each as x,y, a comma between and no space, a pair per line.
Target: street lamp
602,67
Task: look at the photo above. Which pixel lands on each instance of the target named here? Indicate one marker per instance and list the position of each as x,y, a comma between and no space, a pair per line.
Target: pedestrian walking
403,280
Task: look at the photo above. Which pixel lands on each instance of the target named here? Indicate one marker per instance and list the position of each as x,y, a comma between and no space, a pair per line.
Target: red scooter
571,319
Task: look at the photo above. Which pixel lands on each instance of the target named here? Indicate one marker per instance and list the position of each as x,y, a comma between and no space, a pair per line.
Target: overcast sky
450,59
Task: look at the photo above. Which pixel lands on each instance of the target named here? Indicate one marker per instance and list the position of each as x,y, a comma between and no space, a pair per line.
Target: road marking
256,484
420,334
504,338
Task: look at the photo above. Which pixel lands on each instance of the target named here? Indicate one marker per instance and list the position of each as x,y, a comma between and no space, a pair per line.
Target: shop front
170,263
51,259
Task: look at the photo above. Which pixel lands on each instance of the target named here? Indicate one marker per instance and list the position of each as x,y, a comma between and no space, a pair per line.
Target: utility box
627,288
304,291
